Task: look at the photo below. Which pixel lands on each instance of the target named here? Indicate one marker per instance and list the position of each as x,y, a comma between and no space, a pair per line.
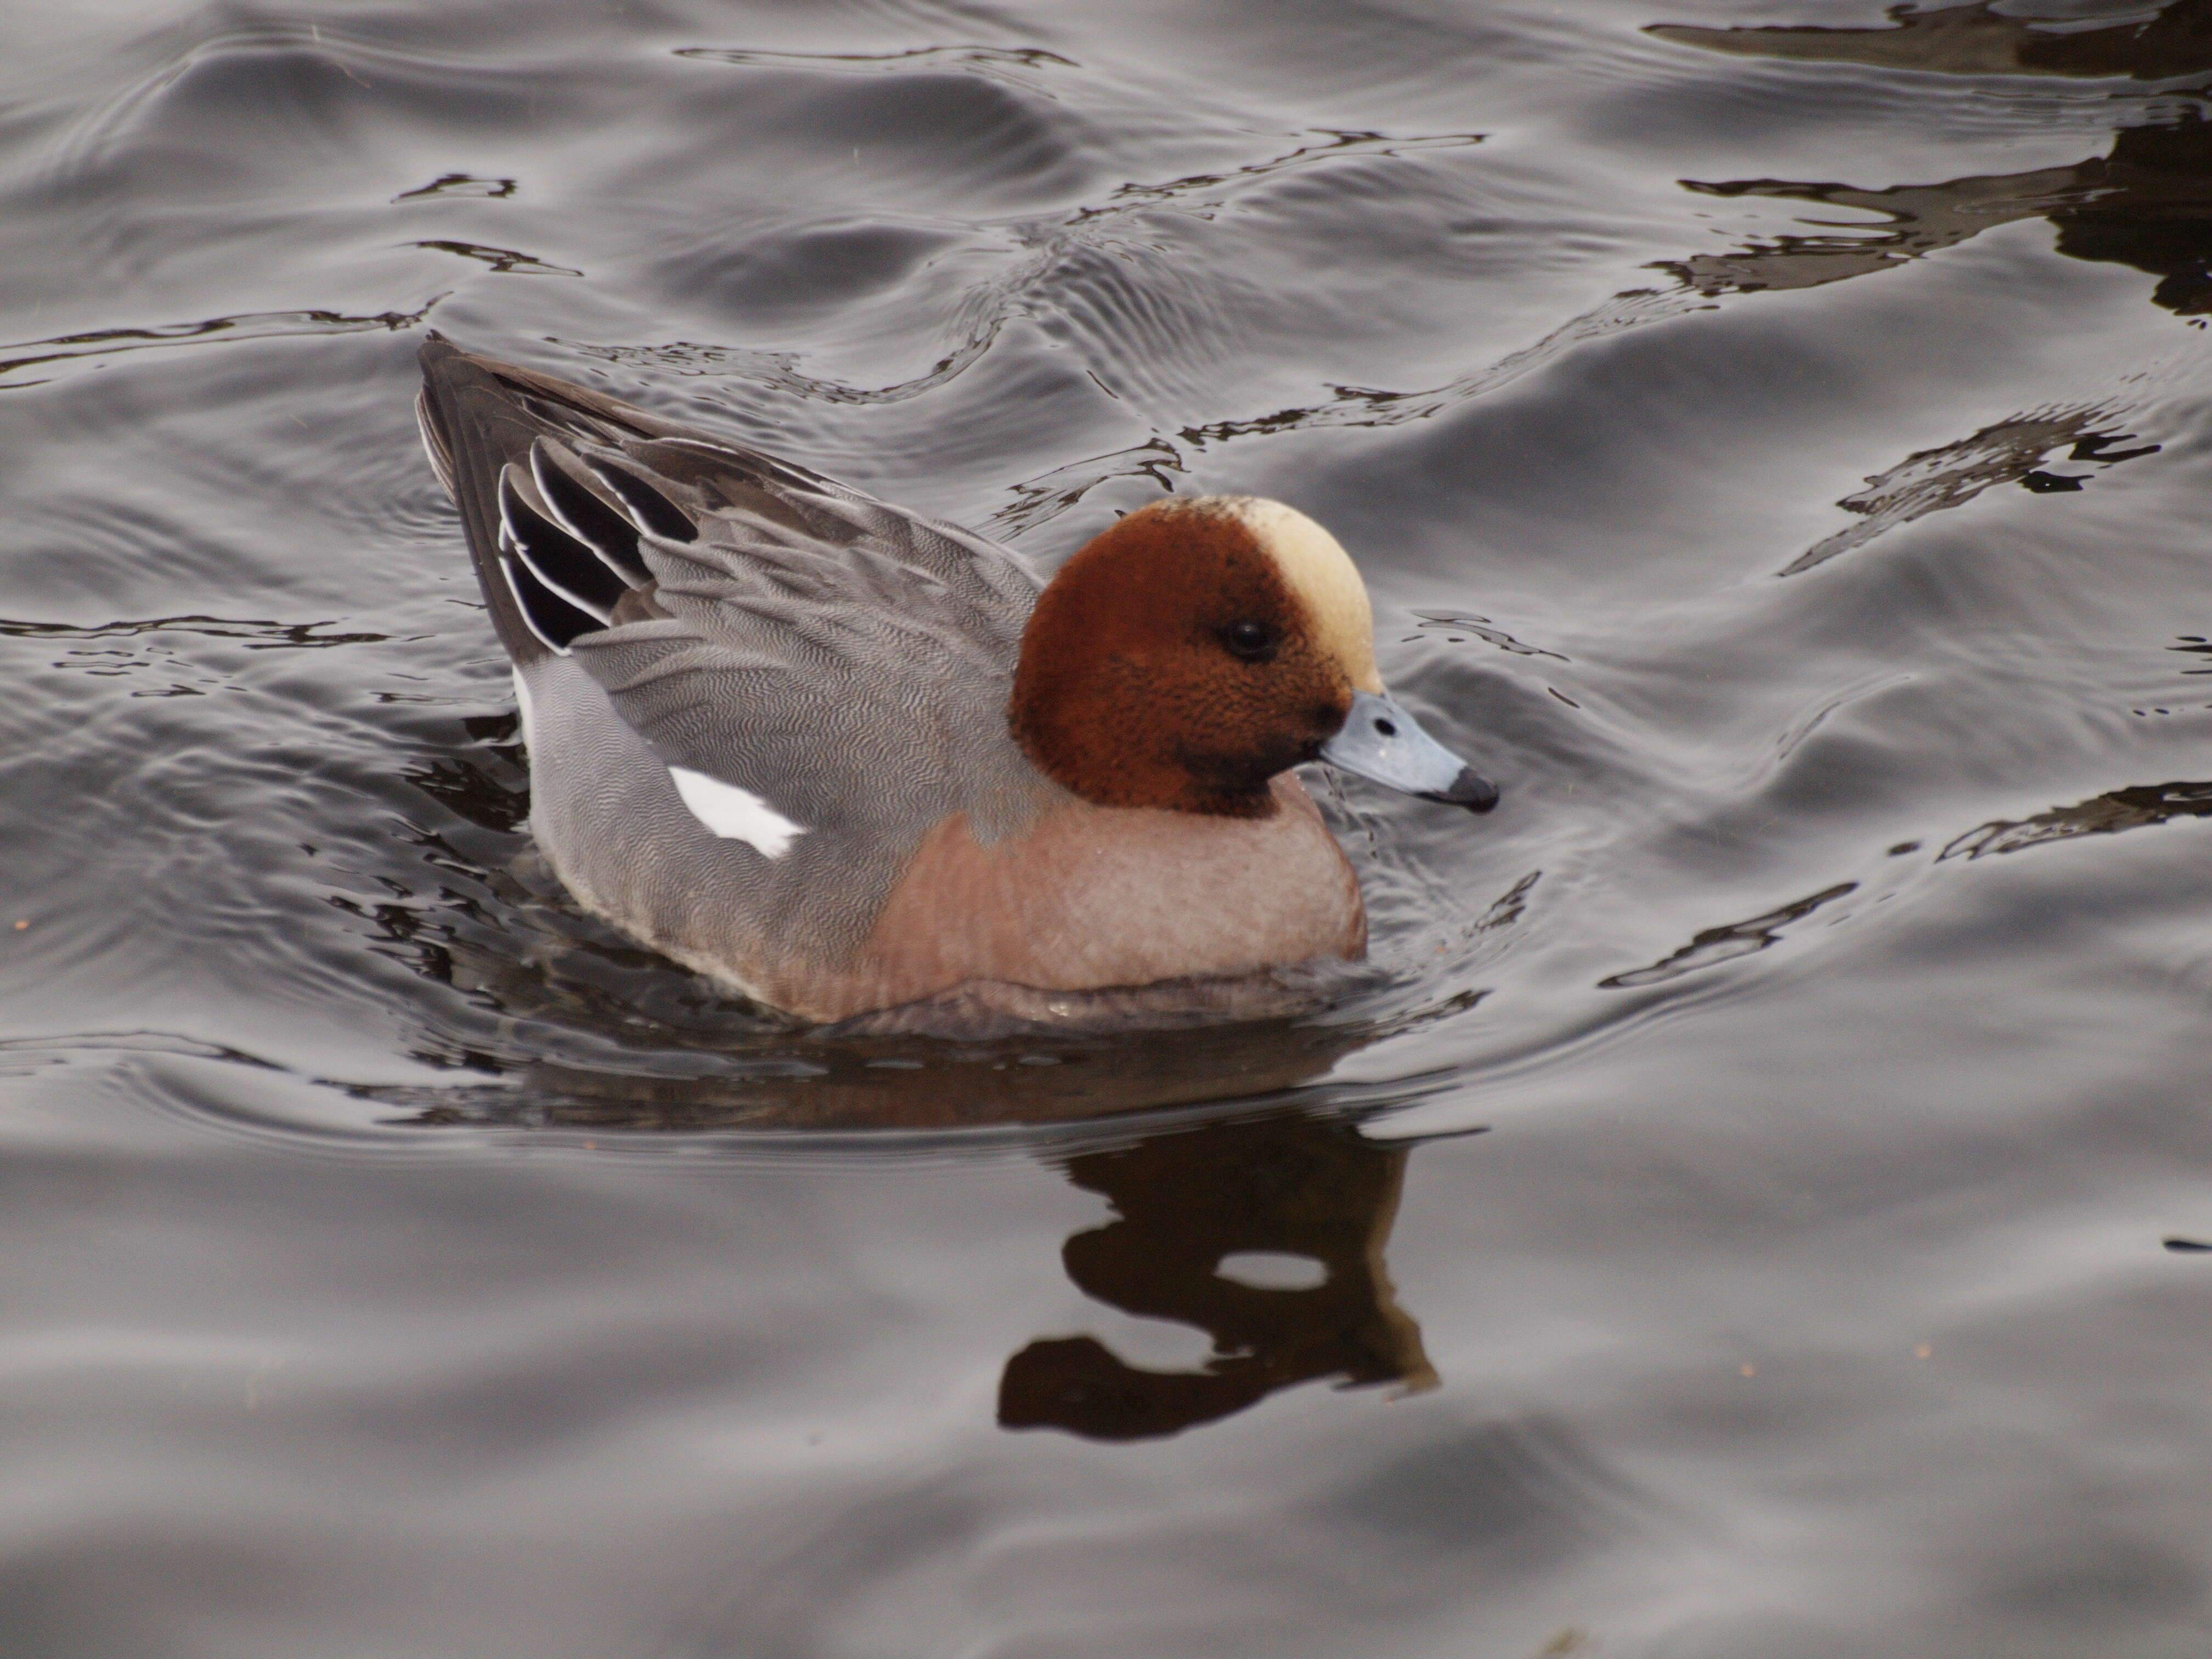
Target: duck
845,760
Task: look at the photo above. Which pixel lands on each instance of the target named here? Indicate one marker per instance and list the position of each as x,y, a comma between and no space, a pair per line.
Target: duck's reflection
1187,1205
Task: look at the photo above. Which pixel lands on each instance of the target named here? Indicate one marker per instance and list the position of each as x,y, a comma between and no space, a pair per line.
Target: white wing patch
736,814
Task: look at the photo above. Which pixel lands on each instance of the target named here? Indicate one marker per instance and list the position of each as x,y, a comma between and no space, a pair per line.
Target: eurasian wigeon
840,757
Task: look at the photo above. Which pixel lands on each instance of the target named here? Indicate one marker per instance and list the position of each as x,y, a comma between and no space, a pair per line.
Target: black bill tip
1477,795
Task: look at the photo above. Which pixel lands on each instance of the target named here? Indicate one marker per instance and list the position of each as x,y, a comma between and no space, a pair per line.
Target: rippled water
1776,435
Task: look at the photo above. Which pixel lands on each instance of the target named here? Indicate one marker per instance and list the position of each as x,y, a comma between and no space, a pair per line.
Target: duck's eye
1254,641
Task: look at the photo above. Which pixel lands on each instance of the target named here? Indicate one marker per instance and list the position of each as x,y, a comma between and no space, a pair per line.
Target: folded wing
752,621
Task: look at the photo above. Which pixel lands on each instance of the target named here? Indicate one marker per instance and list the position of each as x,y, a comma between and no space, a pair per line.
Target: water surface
1753,1208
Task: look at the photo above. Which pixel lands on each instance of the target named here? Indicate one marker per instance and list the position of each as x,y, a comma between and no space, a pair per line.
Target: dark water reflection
1312,1196
403,1263
2141,43
2147,206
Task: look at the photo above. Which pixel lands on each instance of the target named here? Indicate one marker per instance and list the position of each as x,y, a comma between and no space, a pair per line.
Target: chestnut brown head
1185,656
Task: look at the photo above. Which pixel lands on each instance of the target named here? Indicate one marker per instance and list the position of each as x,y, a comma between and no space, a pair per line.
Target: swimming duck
843,758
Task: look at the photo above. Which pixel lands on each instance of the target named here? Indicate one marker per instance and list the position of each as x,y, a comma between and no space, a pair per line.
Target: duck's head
1187,655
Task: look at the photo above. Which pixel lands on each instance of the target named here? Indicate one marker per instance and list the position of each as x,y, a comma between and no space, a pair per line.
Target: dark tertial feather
557,559
586,517
652,513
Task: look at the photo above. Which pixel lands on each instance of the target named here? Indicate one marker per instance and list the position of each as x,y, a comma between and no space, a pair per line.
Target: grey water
1758,1204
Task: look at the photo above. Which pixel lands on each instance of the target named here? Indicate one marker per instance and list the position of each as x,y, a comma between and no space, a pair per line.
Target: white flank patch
522,707
736,814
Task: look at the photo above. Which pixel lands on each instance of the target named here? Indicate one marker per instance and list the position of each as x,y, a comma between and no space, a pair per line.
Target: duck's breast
1091,897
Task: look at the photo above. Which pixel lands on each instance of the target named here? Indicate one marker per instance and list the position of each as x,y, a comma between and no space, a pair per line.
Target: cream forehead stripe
736,814
1321,573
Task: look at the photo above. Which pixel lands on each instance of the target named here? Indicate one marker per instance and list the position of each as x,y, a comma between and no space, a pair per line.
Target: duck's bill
1380,740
